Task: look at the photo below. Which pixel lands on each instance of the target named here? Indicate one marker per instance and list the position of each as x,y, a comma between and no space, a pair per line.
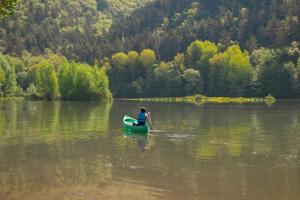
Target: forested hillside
69,27
169,26
86,30
152,48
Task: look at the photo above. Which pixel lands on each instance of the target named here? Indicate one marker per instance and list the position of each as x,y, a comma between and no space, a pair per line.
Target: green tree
32,92
198,55
66,85
148,57
193,82
100,84
167,81
231,73
298,78
266,70
287,80
120,74
46,81
134,65
179,60
16,63
23,80
133,57
2,78
9,84
7,7
273,76
119,60
82,82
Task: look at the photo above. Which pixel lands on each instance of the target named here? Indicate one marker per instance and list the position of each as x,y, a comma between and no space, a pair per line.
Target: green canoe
130,128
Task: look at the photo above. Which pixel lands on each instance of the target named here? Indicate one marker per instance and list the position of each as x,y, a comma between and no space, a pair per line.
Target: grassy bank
200,99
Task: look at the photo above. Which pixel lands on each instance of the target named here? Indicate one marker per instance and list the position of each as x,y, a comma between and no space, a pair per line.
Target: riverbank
11,98
200,99
196,99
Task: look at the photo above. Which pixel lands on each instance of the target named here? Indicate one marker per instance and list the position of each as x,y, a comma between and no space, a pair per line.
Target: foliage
52,76
2,77
168,80
7,7
168,26
298,78
274,76
200,99
82,82
231,73
193,81
16,62
148,57
119,59
23,80
207,70
214,73
68,27
8,84
46,81
101,84
32,92
89,30
198,55
270,99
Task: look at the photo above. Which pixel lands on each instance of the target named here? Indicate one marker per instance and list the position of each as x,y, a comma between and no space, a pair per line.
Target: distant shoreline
200,99
196,99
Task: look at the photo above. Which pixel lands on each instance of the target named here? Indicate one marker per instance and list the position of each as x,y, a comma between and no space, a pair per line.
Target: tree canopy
89,30
7,7
206,69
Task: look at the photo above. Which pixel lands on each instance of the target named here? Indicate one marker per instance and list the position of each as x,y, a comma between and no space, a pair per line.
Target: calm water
77,151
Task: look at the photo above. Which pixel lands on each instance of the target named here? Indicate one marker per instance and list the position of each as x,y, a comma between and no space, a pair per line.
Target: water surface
76,150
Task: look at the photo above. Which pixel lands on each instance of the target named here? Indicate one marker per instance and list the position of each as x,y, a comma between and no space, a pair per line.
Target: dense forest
151,48
206,69
72,28
169,26
93,29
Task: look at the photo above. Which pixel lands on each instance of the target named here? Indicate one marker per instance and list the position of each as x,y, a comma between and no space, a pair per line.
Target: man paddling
144,117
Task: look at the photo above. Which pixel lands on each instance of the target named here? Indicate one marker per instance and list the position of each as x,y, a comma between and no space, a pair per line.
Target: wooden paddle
149,120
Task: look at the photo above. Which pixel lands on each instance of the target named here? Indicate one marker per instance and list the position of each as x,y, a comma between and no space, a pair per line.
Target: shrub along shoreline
200,99
52,77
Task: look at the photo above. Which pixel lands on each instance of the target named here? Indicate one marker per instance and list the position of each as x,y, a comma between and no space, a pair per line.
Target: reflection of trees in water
235,130
52,121
95,117
226,142
211,130
41,147
277,129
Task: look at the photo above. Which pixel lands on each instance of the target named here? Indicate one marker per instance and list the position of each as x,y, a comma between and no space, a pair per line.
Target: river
77,150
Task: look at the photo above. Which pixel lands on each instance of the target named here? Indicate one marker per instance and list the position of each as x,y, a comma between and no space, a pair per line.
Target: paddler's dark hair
143,109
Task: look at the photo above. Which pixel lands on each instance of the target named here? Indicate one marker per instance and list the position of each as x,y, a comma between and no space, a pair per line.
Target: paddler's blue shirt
142,117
